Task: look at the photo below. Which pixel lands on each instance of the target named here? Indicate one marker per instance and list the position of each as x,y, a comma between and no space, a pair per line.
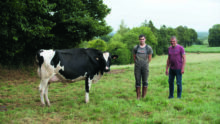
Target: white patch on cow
47,70
87,97
106,55
90,83
59,67
87,93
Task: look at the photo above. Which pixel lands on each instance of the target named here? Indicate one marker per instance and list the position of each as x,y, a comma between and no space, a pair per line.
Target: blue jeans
172,74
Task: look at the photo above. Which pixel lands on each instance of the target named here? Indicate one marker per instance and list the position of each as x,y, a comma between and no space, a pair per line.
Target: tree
23,25
79,20
122,28
97,44
152,27
120,49
30,25
214,36
192,36
186,36
163,40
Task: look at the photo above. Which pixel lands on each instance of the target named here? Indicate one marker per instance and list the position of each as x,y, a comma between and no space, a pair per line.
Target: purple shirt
175,56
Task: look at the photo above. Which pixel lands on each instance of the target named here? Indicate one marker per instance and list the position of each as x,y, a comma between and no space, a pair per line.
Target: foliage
186,36
131,39
97,44
23,24
106,38
120,49
27,26
214,36
78,21
122,28
163,40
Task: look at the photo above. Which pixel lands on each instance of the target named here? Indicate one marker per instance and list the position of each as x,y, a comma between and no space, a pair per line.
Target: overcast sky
197,14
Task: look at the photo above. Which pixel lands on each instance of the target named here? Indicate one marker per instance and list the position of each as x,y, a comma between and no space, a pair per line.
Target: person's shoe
138,91
170,97
144,91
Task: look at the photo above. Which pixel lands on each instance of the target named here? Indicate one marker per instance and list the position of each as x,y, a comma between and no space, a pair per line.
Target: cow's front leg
88,83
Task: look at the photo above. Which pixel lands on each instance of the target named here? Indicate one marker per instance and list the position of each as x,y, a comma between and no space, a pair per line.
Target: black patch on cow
80,61
87,84
55,60
40,59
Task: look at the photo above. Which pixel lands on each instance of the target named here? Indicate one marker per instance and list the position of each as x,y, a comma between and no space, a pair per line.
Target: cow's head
108,57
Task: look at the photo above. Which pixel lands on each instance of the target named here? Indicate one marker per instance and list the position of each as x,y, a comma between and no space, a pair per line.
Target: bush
97,44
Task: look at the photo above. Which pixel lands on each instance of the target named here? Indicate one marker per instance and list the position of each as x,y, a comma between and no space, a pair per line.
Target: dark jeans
172,74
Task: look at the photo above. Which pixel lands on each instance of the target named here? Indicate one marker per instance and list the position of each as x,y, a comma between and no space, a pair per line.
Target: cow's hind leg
88,83
42,89
46,94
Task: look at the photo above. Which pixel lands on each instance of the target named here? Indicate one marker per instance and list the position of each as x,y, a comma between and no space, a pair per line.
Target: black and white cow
71,65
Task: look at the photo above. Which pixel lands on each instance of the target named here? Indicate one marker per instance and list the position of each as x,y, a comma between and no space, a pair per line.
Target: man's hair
140,36
173,37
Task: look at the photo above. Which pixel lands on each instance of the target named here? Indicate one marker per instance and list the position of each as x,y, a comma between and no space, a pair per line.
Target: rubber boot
144,91
138,91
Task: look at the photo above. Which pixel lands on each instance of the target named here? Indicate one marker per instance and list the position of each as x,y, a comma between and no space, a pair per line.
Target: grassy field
113,99
202,49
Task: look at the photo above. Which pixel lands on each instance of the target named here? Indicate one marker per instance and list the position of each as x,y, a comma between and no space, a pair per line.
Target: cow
71,65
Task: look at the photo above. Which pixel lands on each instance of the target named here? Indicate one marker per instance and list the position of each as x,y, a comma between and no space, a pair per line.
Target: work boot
138,91
144,91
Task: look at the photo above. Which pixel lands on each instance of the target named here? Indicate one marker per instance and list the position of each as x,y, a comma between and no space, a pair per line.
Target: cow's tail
39,60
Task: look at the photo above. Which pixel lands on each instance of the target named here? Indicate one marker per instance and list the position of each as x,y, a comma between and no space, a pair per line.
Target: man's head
142,39
173,41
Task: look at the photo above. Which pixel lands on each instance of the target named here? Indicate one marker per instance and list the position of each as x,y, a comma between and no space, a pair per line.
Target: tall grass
113,99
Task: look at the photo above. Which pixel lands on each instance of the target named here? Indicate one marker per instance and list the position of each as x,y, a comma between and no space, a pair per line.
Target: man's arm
149,58
184,62
134,56
168,65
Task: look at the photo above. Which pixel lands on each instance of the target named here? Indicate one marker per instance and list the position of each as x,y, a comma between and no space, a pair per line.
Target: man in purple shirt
176,63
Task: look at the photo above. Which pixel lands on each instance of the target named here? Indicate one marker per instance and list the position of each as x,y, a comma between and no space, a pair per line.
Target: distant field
202,49
113,99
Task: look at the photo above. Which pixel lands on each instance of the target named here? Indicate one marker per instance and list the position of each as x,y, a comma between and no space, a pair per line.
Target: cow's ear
114,56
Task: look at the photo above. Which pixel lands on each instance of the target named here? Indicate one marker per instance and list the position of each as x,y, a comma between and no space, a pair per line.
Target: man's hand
182,71
167,72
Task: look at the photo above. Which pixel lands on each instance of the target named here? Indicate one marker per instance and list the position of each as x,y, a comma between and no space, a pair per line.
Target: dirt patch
3,108
116,71
17,76
28,74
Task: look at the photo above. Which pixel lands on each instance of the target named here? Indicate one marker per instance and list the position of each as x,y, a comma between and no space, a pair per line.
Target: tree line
124,40
29,25
214,36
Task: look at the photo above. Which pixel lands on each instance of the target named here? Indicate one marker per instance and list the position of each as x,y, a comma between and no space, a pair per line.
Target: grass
113,99
202,49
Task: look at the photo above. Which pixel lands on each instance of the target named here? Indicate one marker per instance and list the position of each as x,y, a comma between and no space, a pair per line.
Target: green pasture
113,98
202,49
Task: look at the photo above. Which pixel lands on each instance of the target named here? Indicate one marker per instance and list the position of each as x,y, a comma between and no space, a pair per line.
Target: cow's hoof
42,105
